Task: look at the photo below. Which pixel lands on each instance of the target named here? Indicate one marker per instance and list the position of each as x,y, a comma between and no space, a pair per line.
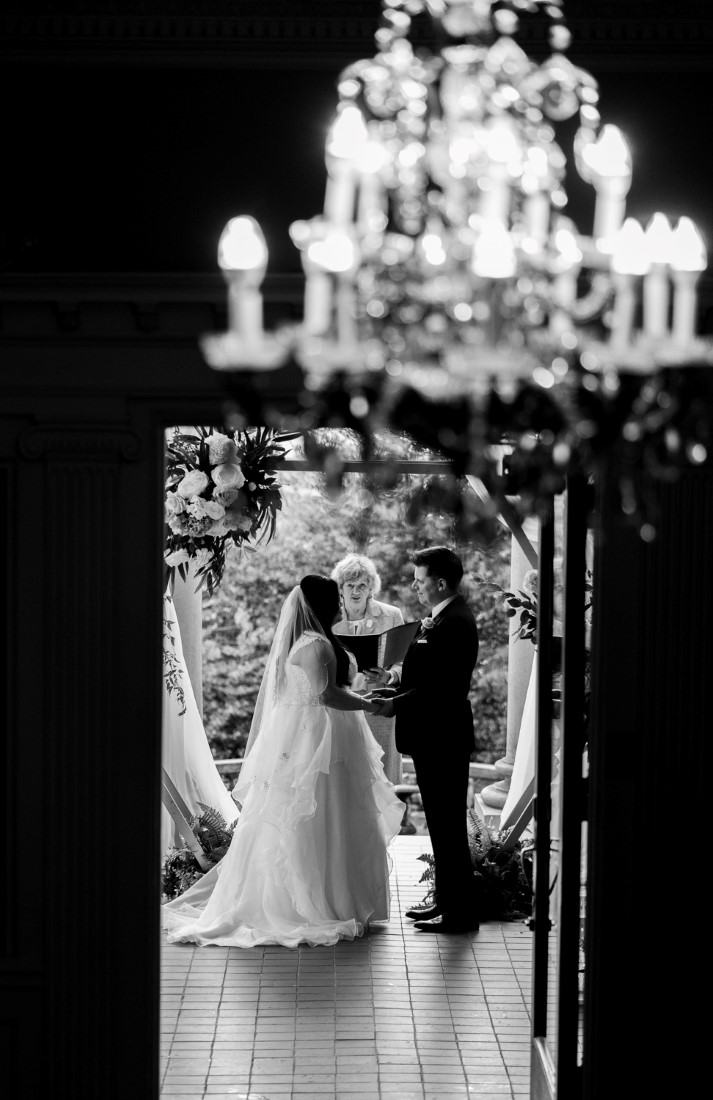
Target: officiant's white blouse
379,618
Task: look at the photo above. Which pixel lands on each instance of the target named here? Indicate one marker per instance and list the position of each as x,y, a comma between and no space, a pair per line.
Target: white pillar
189,612
520,655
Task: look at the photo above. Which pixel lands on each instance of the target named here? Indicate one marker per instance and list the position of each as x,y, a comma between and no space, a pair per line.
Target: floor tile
392,1016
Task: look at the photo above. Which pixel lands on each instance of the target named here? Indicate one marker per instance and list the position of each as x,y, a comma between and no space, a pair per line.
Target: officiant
362,614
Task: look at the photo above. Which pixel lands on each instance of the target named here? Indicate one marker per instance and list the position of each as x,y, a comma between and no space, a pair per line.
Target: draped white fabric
308,862
522,781
186,753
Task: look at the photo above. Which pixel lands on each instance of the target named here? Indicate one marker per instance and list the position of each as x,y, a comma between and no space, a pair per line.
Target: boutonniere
428,623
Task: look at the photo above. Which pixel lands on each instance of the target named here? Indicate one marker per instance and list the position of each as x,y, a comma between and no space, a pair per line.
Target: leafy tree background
314,531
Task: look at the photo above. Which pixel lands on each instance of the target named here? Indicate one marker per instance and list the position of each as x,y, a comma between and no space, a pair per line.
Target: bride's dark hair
322,595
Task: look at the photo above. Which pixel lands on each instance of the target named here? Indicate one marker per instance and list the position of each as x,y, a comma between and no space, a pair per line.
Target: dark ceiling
131,134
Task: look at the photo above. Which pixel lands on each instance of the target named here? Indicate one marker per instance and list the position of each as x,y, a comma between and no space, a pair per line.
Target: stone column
520,656
189,612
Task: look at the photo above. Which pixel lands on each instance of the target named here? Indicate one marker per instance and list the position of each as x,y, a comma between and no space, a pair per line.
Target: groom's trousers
443,785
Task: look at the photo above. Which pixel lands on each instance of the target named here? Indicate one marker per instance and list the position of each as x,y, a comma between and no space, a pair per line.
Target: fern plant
181,868
504,890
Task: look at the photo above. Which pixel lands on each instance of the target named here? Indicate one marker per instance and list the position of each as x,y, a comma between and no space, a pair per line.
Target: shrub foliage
313,532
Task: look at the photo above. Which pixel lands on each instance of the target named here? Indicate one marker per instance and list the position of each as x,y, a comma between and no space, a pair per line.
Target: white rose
228,476
178,524
193,483
177,557
213,509
197,507
226,497
202,557
220,449
174,504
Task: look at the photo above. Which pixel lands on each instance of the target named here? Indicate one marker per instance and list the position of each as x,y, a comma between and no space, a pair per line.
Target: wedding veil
296,618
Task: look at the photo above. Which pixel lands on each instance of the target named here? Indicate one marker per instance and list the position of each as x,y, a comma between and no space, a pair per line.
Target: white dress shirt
440,606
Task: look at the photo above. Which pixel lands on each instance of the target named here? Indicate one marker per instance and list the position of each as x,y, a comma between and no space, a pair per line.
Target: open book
381,650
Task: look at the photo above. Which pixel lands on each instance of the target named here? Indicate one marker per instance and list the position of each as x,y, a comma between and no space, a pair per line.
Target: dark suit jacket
432,707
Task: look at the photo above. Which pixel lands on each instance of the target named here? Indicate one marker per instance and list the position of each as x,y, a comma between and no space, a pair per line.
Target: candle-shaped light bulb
345,142
537,204
658,239
494,254
502,146
607,163
564,287
609,156
688,259
242,254
687,251
630,255
656,288
372,158
336,253
242,246
630,259
348,134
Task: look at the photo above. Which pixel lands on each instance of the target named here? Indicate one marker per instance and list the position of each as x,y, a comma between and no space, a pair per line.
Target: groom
434,725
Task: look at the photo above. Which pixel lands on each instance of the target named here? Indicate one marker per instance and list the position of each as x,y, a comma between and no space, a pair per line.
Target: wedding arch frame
189,617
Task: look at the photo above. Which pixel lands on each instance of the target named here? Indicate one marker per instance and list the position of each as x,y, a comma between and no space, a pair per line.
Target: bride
308,860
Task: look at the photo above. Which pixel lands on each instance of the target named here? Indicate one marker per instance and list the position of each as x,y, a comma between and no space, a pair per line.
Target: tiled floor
396,1015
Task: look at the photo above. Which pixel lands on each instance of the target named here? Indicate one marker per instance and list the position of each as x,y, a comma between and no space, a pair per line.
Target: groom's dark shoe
424,912
455,925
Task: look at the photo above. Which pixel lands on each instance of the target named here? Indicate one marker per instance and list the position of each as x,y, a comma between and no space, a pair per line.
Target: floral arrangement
221,491
181,868
505,891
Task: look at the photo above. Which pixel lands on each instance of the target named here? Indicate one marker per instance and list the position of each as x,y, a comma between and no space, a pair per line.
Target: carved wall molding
101,442
145,308
329,33
156,307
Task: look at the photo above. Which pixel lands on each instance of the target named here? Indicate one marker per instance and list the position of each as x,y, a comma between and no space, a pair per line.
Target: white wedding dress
308,861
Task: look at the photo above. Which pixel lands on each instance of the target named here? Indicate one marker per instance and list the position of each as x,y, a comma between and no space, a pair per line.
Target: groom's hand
382,698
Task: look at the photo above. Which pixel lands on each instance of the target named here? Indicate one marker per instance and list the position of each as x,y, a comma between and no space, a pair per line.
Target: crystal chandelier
444,257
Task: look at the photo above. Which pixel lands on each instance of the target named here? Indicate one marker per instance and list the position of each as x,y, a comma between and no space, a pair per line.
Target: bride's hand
369,705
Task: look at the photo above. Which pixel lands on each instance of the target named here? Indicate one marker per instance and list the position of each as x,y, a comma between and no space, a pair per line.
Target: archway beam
507,516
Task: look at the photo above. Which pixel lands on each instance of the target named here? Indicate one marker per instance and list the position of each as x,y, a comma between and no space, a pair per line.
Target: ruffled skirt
308,861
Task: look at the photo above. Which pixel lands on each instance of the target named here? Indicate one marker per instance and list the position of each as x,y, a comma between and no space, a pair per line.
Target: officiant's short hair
440,561
354,566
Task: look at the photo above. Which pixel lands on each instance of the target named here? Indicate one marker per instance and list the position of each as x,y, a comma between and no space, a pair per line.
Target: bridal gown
308,861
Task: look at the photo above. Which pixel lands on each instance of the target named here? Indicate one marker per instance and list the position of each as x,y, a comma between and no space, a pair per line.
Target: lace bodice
305,681
307,676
